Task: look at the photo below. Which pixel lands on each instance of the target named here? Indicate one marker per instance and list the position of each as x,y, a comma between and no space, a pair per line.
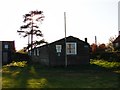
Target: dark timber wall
49,56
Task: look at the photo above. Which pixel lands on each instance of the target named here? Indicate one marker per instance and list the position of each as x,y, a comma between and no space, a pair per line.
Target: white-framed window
29,53
6,46
37,52
116,44
34,52
58,48
71,48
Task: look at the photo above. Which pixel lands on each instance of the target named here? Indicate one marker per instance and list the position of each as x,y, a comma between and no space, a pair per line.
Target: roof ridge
117,39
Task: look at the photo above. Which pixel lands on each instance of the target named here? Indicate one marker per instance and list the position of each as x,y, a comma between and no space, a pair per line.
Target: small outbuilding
53,54
7,48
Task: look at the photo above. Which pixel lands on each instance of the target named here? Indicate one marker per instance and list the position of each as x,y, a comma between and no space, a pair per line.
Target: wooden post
65,39
32,38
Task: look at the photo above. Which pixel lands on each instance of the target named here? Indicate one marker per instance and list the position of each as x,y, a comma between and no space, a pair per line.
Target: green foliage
108,56
18,64
37,83
110,47
37,76
105,64
17,57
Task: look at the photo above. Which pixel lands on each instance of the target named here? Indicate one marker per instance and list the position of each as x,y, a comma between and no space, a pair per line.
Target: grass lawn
99,74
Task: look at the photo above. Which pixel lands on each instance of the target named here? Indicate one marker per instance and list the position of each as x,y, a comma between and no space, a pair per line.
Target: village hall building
53,54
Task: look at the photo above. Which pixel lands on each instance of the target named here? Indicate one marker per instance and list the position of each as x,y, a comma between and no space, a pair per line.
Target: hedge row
108,56
20,57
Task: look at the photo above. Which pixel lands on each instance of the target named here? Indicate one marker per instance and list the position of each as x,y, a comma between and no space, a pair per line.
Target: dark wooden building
53,54
116,43
7,48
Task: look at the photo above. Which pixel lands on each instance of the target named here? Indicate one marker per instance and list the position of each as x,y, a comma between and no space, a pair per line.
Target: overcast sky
85,18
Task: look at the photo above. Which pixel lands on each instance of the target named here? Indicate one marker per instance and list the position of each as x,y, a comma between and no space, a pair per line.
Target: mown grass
99,74
106,64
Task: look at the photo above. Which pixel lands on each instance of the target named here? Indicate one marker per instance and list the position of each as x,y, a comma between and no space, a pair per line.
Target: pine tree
31,28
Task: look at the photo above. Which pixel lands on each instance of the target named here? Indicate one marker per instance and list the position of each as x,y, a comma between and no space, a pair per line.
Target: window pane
6,47
37,52
58,48
73,51
29,52
71,48
117,44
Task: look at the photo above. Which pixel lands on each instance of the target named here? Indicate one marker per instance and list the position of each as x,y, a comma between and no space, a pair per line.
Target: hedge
20,57
108,56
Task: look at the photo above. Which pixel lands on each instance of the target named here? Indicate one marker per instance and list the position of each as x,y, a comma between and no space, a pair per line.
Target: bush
20,57
18,64
108,56
106,64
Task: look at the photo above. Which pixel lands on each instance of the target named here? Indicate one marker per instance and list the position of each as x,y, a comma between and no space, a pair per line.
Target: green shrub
18,64
20,57
108,56
106,64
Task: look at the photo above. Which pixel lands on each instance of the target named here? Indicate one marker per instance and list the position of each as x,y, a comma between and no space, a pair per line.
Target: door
5,57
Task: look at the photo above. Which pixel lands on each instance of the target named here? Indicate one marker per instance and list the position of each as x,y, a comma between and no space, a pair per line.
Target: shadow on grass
83,76
25,77
91,75
80,68
37,76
